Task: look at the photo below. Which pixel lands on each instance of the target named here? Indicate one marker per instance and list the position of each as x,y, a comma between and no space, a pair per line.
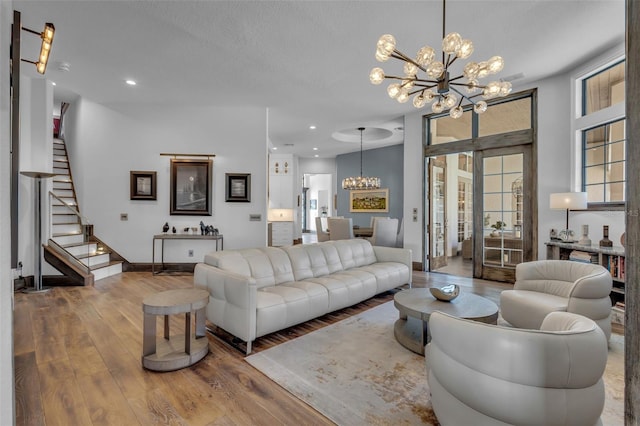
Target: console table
164,237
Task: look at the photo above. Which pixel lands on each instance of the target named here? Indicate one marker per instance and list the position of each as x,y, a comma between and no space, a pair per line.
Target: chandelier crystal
360,182
438,86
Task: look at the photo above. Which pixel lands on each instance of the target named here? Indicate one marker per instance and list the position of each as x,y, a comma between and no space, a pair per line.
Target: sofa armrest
232,301
394,254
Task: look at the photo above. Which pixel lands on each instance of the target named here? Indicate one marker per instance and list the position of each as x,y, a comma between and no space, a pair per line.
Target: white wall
413,185
7,402
105,145
36,154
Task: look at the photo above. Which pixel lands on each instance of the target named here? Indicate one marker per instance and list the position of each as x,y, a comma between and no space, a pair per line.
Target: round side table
178,351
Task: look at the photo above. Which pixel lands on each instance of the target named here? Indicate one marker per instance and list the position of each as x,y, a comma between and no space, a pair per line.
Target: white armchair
481,374
545,286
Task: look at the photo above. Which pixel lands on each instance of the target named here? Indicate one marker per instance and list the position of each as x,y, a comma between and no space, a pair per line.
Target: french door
504,188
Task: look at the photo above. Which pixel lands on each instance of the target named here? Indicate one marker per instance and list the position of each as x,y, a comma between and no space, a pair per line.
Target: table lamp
568,201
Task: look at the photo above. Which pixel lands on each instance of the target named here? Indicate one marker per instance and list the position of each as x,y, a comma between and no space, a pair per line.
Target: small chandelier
360,182
445,95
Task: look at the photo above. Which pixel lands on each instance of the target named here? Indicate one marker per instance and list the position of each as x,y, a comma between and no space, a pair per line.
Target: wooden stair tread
88,255
67,234
64,246
105,264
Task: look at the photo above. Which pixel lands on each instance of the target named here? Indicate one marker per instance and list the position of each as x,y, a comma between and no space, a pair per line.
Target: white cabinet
281,178
281,233
281,192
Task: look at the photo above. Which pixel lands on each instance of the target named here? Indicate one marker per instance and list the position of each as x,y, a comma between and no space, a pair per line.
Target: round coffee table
416,305
179,351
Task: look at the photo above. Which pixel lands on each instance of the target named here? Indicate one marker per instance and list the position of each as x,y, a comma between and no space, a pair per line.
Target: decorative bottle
605,241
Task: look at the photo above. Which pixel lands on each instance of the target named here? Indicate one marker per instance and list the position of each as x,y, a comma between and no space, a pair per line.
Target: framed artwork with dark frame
191,187
142,185
238,187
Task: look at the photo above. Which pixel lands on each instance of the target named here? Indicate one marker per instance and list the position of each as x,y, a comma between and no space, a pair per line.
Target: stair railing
85,226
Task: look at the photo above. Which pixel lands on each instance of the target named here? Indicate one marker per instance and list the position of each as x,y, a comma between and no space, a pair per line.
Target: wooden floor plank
29,410
61,396
23,341
105,403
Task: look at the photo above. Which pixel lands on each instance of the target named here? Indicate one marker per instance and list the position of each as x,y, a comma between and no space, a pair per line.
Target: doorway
451,213
316,202
480,190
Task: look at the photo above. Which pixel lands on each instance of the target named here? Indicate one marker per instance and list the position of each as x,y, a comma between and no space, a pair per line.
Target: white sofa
545,286
258,291
482,374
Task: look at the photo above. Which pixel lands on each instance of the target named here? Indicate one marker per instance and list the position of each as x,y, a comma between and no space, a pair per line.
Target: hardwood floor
77,360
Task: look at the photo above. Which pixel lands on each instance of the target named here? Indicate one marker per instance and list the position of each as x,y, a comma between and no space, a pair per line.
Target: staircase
73,249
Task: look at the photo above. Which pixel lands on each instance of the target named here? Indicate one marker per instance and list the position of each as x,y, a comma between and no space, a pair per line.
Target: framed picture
313,204
142,185
238,187
190,187
369,201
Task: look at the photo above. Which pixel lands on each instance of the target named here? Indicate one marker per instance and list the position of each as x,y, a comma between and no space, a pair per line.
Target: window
603,89
603,134
505,117
604,162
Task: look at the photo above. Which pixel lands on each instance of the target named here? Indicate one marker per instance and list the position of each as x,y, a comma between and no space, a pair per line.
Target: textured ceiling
307,61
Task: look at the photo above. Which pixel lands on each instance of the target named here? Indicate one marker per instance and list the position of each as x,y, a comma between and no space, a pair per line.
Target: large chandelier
360,182
438,86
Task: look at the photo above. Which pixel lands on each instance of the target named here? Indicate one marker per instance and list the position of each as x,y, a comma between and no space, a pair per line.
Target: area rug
354,372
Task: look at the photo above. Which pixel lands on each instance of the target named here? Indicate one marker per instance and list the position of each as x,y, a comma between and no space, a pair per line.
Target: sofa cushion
317,295
345,289
355,252
313,260
388,274
267,265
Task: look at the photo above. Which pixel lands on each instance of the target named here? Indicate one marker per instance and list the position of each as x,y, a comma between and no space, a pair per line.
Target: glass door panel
437,213
503,213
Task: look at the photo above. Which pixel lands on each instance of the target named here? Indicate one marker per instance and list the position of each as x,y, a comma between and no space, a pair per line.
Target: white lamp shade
568,201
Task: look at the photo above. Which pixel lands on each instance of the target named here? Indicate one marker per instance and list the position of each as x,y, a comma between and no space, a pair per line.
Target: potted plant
497,228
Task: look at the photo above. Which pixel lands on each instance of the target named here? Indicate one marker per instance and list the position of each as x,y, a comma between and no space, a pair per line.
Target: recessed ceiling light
130,82
312,127
53,82
316,156
315,148
275,148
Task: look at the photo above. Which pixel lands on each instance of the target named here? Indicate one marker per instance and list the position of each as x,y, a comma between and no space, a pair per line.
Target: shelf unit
612,258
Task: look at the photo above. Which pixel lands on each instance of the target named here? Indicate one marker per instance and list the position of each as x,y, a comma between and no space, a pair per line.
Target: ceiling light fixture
438,75
360,182
45,48
312,127
130,82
